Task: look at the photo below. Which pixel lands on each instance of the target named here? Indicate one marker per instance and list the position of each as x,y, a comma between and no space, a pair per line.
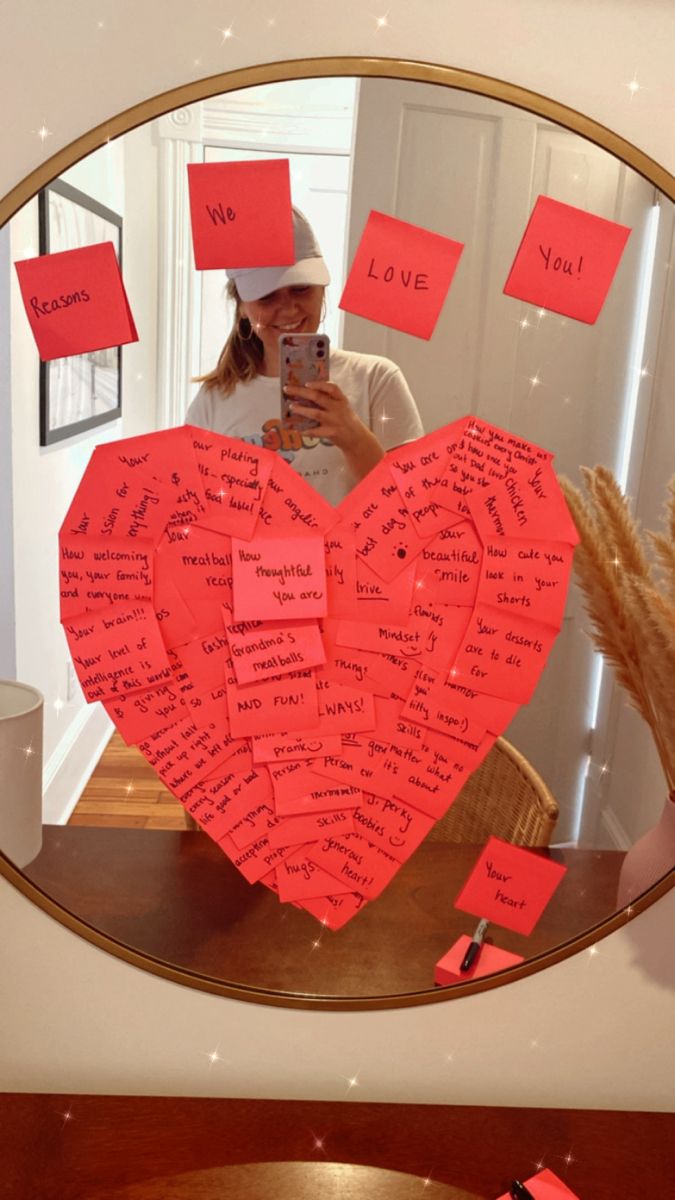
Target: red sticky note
273,705
546,1186
198,563
290,505
140,714
300,878
117,650
334,911
75,301
290,779
309,827
510,886
355,862
234,477
261,649
526,577
324,798
528,505
386,538
279,578
566,260
392,825
448,569
166,455
241,214
113,501
400,275
96,571
503,654
285,747
490,959
344,709
377,600
255,860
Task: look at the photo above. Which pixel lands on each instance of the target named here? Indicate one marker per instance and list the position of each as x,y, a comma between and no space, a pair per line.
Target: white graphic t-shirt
375,388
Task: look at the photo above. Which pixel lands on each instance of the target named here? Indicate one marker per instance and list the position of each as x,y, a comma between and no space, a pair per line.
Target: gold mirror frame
190,93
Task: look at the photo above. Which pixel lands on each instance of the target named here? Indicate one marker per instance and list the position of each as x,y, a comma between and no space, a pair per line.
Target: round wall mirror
467,158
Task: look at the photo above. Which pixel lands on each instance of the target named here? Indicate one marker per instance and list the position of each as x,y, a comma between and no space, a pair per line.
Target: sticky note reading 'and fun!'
75,301
510,886
241,214
400,275
566,260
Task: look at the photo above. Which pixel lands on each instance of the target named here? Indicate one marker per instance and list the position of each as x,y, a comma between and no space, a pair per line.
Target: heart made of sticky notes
315,685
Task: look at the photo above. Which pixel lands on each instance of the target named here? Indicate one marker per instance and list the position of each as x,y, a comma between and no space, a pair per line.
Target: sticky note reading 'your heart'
400,275
75,301
546,1186
566,260
241,214
510,886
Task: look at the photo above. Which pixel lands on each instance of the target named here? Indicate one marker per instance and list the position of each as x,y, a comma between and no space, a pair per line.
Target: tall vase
20,771
652,856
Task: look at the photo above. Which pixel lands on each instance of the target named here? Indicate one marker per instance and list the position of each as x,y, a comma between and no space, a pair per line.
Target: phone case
304,358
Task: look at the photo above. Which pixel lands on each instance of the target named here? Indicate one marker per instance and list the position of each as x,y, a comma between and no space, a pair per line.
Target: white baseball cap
309,266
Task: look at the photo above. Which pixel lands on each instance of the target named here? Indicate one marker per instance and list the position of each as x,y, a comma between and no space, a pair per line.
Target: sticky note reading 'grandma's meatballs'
510,886
400,275
241,214
75,301
566,260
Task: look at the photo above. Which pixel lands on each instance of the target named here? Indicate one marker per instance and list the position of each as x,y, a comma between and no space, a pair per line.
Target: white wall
602,1025
45,478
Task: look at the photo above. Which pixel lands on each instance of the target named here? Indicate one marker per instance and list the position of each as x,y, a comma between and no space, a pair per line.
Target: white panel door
471,169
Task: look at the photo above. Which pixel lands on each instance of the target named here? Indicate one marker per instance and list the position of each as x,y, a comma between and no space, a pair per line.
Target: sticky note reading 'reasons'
400,275
75,301
566,260
510,886
275,577
241,214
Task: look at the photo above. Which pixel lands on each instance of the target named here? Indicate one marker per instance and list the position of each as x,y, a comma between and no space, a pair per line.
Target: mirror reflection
576,774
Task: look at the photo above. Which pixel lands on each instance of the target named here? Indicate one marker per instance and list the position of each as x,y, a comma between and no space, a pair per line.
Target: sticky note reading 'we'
566,260
400,275
241,214
510,886
75,301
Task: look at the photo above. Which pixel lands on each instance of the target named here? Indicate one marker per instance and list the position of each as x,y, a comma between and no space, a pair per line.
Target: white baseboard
69,768
614,830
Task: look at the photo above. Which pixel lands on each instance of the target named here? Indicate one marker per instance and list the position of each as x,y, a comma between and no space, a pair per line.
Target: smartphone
304,358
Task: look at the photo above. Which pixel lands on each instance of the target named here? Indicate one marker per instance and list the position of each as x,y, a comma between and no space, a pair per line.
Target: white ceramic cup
21,709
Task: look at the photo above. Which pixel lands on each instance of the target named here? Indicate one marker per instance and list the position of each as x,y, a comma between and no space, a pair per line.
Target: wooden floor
124,791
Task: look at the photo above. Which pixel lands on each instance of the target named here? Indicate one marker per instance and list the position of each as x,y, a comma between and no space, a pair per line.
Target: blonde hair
241,358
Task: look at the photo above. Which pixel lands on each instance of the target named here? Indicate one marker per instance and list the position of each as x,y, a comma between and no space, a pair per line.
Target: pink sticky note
510,886
273,705
234,477
503,654
566,260
279,578
75,301
546,1186
241,214
261,649
490,959
400,275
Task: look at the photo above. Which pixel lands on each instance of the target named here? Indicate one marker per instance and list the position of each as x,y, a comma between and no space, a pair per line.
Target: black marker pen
473,950
518,1191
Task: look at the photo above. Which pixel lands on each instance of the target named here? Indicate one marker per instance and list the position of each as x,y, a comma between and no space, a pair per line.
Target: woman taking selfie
361,410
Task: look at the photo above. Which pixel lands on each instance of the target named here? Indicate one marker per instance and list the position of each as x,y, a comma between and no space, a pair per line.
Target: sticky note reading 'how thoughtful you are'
566,260
400,275
241,214
510,886
75,301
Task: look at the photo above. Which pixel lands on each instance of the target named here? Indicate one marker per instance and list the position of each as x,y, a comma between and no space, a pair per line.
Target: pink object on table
490,960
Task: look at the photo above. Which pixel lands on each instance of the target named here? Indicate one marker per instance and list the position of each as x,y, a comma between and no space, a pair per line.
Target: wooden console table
145,1148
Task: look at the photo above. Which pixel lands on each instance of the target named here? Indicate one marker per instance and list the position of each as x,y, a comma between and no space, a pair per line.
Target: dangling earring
322,318
245,324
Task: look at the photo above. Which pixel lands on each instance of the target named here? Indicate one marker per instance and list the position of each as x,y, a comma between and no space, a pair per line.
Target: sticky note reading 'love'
400,275
241,214
510,886
75,301
317,686
566,260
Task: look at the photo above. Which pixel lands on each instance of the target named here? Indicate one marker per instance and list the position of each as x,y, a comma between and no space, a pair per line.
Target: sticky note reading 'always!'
566,260
241,214
400,275
510,886
75,301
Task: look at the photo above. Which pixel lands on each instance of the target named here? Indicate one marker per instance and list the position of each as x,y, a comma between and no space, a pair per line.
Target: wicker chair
505,797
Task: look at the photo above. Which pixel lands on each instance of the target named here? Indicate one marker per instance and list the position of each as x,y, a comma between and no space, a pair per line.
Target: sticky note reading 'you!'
241,214
566,260
400,275
75,301
510,886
